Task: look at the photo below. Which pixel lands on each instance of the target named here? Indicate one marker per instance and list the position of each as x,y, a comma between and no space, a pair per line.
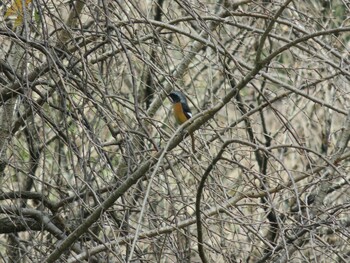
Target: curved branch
268,30
210,212
29,195
199,197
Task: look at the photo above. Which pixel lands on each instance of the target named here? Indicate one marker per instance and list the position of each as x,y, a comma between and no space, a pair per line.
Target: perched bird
181,110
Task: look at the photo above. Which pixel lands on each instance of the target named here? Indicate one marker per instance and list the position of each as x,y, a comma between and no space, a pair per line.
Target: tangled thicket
93,166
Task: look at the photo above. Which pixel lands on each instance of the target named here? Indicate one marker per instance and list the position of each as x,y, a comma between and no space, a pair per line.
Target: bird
181,110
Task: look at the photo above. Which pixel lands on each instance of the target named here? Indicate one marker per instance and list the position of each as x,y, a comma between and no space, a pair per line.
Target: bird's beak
170,98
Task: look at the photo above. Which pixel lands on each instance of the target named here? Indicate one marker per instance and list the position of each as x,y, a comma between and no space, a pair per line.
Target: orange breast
178,112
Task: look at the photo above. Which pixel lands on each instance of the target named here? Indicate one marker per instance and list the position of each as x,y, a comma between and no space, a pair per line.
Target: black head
177,96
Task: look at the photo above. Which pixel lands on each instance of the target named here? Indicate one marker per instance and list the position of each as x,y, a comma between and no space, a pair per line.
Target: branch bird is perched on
181,110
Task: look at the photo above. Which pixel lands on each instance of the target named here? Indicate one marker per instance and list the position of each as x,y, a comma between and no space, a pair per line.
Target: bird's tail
193,145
